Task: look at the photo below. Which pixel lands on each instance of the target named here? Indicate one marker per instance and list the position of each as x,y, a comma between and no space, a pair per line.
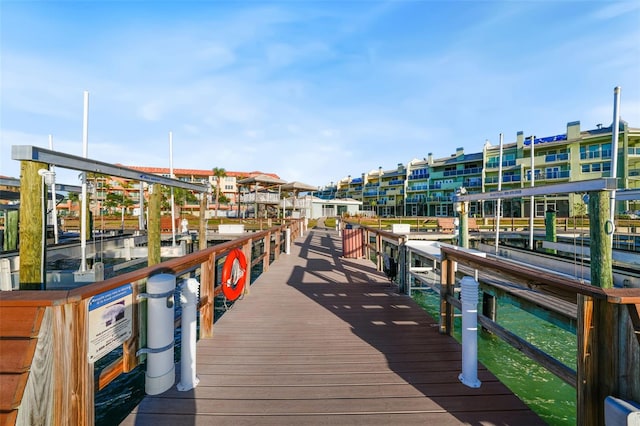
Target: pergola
259,183
297,187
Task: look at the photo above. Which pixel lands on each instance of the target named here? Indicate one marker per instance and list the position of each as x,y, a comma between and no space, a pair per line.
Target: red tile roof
196,172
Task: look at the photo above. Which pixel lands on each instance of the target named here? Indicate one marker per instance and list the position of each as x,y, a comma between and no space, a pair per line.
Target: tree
218,173
74,197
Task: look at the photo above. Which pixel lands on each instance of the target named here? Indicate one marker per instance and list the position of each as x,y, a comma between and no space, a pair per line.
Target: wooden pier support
597,375
11,230
489,308
32,222
155,198
463,234
550,228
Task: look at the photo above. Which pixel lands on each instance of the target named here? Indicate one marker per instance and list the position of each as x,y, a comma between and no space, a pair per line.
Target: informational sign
110,321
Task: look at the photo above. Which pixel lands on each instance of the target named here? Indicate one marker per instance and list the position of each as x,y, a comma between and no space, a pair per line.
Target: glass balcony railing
633,151
471,171
493,164
551,158
505,179
605,153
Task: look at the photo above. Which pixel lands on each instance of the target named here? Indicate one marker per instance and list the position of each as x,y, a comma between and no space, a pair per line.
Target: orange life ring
234,274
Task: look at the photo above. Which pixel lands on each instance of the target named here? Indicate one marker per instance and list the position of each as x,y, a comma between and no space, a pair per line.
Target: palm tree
219,173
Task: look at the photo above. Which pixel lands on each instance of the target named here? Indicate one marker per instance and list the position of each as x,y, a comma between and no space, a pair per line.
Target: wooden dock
323,339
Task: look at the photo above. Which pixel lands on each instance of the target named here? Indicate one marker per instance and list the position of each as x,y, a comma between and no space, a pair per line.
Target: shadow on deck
327,340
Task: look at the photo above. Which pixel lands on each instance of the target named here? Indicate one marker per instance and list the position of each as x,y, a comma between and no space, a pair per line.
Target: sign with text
110,321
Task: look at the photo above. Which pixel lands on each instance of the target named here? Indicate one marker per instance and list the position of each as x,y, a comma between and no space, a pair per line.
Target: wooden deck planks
326,340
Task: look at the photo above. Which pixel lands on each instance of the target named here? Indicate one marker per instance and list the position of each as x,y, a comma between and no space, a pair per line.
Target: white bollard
160,374
189,303
5,275
287,241
469,299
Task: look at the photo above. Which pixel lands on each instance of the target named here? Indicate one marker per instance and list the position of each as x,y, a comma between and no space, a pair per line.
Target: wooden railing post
447,284
207,291
73,382
379,260
278,242
267,252
247,249
129,358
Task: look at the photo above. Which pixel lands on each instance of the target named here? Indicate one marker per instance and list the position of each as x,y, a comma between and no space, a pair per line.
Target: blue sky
312,91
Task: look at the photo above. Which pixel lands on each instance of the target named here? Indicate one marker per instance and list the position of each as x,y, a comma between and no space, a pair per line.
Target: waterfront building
426,187
128,191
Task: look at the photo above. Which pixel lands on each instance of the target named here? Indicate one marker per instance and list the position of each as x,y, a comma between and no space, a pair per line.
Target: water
551,398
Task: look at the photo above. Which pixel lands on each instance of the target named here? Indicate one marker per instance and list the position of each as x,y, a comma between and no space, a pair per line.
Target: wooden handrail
559,285
175,266
67,311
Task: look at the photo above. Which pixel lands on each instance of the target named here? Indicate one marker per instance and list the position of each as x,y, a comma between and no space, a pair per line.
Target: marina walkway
324,340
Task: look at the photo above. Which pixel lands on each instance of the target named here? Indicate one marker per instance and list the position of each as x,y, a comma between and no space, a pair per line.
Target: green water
551,398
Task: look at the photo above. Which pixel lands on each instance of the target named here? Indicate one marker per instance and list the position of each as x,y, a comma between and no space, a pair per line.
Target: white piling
189,303
287,241
469,299
160,374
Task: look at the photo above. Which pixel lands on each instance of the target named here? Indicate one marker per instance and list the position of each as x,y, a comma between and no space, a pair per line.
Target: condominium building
426,187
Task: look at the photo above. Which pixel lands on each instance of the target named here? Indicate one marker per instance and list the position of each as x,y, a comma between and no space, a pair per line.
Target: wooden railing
607,327
60,388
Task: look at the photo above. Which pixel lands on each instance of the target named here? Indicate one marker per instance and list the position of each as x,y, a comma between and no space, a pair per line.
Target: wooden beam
29,153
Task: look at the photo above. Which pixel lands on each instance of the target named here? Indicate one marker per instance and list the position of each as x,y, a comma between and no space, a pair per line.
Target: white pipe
615,130
532,198
173,212
498,207
53,197
83,204
189,302
160,374
141,202
287,241
469,299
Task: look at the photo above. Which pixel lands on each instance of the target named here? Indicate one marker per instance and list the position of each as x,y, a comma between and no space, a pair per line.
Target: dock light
469,299
459,204
49,176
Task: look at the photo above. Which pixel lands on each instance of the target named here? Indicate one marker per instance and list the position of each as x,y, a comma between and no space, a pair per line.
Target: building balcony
595,155
414,188
559,175
633,152
505,179
418,176
471,171
493,164
554,158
